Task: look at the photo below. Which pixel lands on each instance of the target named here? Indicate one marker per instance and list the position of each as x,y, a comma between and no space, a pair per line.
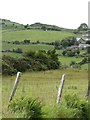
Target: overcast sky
63,13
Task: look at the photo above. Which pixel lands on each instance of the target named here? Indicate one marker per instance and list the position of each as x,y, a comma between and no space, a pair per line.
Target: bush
80,107
31,60
84,61
72,63
73,107
7,69
26,107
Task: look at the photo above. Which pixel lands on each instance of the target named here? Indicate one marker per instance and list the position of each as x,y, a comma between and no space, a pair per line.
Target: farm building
83,46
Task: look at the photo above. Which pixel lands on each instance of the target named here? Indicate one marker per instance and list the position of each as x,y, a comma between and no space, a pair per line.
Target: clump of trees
71,53
83,26
66,42
31,60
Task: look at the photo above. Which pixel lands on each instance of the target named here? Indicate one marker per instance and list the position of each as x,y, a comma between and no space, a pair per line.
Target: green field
33,47
35,35
66,60
44,85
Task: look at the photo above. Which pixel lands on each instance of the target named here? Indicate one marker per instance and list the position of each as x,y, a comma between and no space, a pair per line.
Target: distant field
35,35
34,47
66,60
44,85
15,55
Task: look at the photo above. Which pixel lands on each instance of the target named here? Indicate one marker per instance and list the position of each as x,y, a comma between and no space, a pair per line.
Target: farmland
27,47
35,35
44,85
41,83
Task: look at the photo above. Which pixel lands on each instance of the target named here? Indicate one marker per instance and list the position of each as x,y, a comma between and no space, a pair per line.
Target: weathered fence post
15,86
60,88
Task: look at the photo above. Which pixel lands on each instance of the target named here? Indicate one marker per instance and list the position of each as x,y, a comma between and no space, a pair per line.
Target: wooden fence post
60,88
15,86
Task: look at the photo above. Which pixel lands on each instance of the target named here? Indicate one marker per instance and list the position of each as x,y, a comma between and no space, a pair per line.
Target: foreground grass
44,86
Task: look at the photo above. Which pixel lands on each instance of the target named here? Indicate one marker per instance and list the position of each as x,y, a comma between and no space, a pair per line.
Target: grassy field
35,35
34,47
66,60
44,86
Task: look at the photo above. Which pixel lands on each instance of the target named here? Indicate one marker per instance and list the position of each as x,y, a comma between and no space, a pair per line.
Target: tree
71,53
16,42
26,26
64,52
83,26
72,63
69,41
84,61
57,44
29,54
18,50
26,41
44,28
78,51
88,50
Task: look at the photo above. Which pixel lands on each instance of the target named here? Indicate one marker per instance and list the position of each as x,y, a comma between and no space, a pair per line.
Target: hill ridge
8,24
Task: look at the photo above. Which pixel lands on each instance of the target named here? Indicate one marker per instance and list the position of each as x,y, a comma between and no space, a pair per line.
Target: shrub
84,61
18,50
72,63
7,69
80,106
27,108
71,101
31,60
73,107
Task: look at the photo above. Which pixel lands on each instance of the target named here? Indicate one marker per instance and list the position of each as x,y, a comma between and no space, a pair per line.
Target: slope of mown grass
35,35
44,86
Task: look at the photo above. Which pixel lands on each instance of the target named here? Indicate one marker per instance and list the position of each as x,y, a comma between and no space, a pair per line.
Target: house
83,46
78,39
81,40
74,47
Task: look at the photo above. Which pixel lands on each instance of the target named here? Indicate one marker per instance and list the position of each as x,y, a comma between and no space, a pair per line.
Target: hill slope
7,24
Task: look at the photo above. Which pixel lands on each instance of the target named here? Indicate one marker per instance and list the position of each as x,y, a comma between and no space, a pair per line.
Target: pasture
33,47
44,86
35,35
66,60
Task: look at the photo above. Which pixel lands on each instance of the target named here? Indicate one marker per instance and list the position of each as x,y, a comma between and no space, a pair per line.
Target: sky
63,13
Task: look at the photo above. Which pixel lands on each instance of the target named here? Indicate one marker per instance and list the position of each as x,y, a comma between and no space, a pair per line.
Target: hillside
13,31
7,24
35,35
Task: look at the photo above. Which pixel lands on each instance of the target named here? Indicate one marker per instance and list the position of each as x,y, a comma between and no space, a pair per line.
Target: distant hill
7,24
46,27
